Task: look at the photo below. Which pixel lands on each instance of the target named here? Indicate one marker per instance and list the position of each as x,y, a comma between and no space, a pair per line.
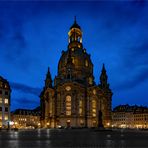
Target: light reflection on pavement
82,138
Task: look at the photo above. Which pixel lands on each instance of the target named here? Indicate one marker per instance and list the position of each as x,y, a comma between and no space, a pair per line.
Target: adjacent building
5,92
25,118
125,116
74,99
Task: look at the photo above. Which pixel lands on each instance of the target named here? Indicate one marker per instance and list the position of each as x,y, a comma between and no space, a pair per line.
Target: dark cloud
135,56
26,101
25,88
17,44
32,35
132,79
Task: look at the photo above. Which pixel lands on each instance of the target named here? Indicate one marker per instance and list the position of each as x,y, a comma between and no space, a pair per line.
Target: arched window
90,81
80,107
73,60
86,63
50,107
68,105
78,39
93,107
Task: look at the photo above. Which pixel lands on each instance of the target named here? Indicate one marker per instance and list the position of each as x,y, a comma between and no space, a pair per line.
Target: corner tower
5,93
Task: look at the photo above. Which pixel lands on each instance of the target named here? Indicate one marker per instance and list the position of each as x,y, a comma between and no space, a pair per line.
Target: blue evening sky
33,34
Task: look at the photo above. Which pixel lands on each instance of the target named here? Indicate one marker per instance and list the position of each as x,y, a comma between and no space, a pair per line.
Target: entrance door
68,123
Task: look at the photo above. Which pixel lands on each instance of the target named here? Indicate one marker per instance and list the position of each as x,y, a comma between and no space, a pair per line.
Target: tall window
6,117
86,63
94,108
80,107
50,107
68,105
1,101
73,60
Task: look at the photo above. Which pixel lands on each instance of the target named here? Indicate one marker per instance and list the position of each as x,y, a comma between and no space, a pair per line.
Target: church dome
81,64
80,59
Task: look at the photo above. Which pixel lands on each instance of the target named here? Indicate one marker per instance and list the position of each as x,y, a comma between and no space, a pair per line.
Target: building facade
24,118
125,116
75,100
5,92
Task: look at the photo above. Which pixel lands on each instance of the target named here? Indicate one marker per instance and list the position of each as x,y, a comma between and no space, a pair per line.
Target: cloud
23,102
17,44
132,79
132,68
136,56
26,101
25,88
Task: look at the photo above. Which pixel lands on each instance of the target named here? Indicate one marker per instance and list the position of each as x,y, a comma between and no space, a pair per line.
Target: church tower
48,80
74,100
103,79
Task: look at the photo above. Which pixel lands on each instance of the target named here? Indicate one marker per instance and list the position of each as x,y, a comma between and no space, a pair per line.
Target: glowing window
68,113
73,60
1,100
86,63
93,114
68,99
6,117
94,91
72,49
90,81
80,103
93,103
68,88
81,122
6,101
80,111
68,105
50,109
80,107
1,84
94,108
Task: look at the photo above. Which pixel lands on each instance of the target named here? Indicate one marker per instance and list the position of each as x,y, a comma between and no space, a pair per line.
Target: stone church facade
74,99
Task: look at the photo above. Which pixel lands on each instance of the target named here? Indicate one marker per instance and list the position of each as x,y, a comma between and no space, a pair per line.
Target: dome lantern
75,36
